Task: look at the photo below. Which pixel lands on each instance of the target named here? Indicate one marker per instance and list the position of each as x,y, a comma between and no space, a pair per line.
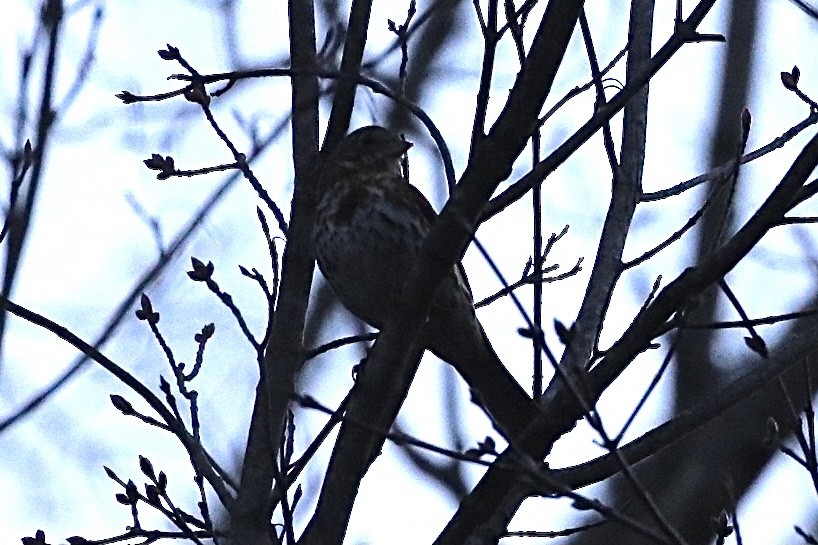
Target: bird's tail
469,351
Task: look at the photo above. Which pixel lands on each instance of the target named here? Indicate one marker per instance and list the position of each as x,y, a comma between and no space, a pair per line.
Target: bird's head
370,147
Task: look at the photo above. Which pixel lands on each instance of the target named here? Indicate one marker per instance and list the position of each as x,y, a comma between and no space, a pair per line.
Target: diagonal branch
694,280
800,345
685,33
198,457
499,493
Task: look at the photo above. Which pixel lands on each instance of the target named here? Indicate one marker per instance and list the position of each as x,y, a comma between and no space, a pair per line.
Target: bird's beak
401,147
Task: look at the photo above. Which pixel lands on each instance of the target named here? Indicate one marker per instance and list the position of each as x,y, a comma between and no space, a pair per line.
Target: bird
369,228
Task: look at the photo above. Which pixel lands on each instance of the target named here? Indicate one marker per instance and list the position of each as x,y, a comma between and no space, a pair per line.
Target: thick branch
694,280
284,352
800,344
625,194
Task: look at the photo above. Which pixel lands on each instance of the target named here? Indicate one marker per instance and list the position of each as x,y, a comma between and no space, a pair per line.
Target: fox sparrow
369,228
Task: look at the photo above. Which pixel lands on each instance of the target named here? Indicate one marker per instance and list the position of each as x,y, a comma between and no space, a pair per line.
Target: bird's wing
430,215
422,204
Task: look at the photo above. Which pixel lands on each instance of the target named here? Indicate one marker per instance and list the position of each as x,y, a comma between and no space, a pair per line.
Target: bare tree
678,482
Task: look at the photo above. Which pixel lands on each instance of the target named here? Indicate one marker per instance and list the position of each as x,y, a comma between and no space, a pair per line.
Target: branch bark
250,520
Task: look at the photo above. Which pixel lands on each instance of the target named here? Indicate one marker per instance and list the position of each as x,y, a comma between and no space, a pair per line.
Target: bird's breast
366,240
